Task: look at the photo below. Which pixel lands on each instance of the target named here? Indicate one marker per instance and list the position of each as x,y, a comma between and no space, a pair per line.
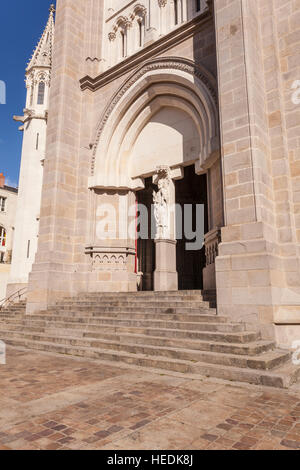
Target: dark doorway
192,189
146,247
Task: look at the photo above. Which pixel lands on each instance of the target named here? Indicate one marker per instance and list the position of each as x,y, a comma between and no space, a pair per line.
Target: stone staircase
170,331
13,309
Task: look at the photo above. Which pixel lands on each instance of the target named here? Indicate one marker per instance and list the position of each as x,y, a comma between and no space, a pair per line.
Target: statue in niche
161,200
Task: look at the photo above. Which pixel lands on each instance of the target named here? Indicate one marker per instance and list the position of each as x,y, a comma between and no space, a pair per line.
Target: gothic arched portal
164,114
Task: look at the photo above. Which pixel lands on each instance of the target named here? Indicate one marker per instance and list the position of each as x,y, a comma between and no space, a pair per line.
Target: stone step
249,349
171,332
266,361
77,331
114,321
281,377
12,310
21,327
99,309
176,293
137,297
201,318
135,304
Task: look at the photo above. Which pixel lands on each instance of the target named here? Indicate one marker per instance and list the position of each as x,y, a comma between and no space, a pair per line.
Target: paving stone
96,406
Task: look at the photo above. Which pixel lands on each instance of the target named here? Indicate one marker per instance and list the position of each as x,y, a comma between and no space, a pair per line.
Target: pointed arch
165,82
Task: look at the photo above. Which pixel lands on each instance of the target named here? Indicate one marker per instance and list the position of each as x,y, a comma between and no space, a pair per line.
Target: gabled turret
42,55
38,71
34,127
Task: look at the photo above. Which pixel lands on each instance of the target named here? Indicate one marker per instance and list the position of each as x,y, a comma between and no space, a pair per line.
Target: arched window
123,42
41,93
2,237
139,22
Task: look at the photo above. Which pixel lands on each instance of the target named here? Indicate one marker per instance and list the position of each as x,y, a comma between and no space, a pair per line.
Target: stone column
163,16
165,274
153,22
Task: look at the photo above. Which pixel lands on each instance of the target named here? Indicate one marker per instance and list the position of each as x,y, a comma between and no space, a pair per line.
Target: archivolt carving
175,63
124,22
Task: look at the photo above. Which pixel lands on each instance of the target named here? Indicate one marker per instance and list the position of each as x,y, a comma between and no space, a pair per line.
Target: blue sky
21,26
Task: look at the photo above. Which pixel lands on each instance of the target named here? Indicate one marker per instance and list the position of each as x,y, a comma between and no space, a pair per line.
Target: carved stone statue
161,200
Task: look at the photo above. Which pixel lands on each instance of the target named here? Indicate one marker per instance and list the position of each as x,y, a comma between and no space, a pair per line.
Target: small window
198,5
31,96
2,204
37,141
176,18
140,34
41,93
2,237
123,44
28,248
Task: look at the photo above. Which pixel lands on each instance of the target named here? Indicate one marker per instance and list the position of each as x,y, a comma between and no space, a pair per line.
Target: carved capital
162,3
112,36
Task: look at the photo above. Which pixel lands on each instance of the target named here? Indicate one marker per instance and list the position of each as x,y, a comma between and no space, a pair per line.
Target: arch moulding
174,71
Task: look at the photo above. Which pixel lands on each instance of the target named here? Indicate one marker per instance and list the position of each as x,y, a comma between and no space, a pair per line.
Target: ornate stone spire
42,55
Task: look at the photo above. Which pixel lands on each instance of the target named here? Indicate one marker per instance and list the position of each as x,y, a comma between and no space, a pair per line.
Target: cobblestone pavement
54,402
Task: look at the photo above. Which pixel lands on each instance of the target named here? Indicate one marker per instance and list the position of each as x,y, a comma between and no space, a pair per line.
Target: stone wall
258,267
53,272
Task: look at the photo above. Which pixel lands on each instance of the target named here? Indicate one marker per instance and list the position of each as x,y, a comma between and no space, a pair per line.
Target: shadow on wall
171,137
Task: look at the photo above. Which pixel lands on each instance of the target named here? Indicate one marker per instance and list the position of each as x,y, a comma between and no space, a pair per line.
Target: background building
8,208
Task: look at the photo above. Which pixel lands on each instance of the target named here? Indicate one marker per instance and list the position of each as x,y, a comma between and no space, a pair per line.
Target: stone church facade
186,102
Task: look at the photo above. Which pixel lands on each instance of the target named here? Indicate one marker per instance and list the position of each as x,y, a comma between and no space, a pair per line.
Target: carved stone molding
212,241
139,10
173,63
109,259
